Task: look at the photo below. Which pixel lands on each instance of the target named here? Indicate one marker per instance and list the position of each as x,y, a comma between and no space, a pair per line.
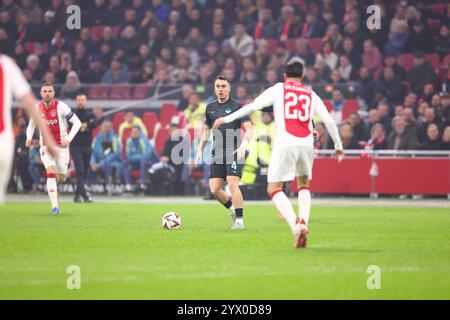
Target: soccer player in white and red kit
294,106
56,114
13,84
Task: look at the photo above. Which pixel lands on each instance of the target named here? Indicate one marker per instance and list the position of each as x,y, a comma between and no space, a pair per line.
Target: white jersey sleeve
67,114
19,85
321,110
265,99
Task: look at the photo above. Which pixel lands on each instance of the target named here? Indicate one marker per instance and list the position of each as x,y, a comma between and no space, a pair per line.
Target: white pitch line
352,202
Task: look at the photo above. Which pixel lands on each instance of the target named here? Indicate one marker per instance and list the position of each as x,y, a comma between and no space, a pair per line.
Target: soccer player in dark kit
228,152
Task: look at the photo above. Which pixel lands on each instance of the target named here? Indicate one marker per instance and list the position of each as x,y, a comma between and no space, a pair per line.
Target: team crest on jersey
227,111
53,113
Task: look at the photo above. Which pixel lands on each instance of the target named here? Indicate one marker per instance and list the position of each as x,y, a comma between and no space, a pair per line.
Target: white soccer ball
171,221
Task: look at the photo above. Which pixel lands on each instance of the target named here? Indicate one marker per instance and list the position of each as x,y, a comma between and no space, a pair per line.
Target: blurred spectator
390,61
117,73
98,15
313,27
429,118
31,10
33,65
46,30
427,93
333,36
348,49
445,143
303,52
323,71
241,43
337,102
347,136
115,12
346,69
398,139
95,72
377,139
372,58
139,155
287,28
186,91
262,54
195,111
421,73
71,87
161,9
327,54
36,167
265,28
443,41
358,126
392,85
410,121
106,155
367,85
432,141
373,117
384,114
419,39
397,39
131,120
6,43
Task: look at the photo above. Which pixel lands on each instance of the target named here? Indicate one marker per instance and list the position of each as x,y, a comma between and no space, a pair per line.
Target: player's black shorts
224,170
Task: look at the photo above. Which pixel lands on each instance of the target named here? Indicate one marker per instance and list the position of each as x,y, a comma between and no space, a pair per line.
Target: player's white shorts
61,164
286,163
6,160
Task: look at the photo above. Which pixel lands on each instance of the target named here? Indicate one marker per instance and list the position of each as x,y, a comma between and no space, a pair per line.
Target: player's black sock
228,204
239,213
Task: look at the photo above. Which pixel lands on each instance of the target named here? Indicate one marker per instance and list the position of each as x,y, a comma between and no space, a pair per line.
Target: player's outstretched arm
331,126
248,127
206,132
76,125
265,99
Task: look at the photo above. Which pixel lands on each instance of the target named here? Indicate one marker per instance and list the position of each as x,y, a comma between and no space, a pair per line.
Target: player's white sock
52,191
304,204
284,206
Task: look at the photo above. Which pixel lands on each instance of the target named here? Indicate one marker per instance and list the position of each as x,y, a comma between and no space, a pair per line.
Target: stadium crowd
401,69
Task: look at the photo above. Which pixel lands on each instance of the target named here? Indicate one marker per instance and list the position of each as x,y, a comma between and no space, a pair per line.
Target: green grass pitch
123,253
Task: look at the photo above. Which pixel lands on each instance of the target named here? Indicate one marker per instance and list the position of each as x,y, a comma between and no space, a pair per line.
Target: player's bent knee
62,177
303,181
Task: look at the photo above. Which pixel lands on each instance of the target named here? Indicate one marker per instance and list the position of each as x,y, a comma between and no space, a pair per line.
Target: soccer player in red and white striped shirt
13,84
56,114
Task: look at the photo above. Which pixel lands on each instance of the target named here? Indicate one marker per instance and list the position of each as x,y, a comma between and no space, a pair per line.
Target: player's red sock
304,204
284,206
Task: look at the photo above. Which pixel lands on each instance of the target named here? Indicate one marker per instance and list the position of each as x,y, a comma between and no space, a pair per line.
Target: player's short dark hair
223,78
81,93
294,70
48,84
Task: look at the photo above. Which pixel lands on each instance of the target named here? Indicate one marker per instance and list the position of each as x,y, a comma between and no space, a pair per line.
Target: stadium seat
446,61
168,110
120,92
118,118
115,31
290,45
125,136
328,104
95,132
315,44
160,139
439,8
140,92
406,61
96,32
273,44
150,120
434,24
98,92
434,59
350,105
29,46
